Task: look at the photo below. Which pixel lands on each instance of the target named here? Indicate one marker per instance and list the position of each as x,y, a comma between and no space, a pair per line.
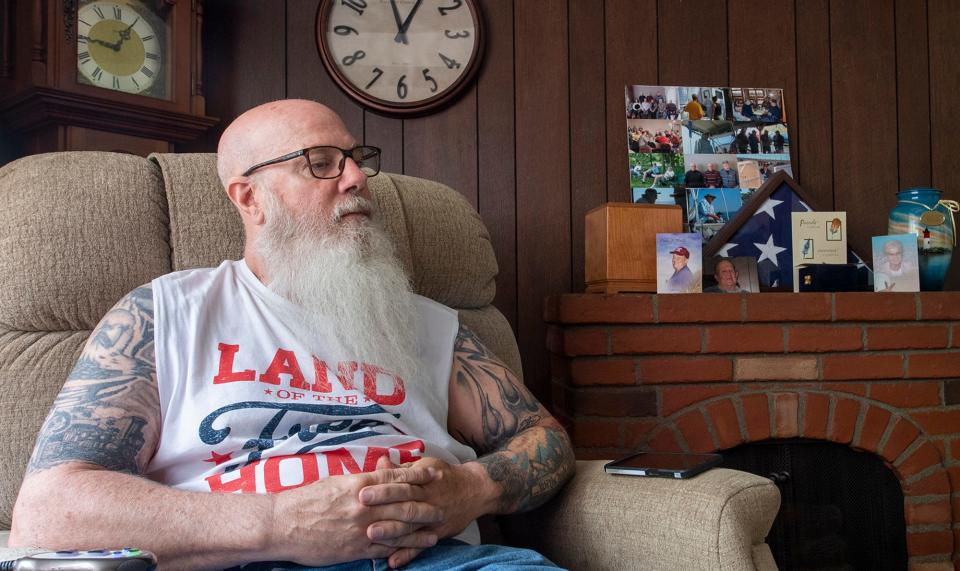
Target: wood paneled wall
871,89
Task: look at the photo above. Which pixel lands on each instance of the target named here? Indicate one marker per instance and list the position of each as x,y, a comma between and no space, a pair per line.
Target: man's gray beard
348,281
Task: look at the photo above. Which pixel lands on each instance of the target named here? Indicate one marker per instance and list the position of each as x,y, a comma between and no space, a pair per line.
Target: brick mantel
879,372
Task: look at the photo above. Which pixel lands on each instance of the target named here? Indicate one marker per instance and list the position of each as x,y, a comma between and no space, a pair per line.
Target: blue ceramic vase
919,209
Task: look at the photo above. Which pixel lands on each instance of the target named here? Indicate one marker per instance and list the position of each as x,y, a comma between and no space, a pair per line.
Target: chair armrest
717,520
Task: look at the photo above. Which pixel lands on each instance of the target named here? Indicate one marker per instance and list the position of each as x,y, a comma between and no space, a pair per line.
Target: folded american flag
767,236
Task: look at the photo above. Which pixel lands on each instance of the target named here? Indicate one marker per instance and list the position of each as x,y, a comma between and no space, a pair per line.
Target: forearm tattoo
526,450
87,422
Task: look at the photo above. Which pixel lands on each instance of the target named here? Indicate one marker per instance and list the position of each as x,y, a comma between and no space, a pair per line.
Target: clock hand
406,24
400,37
102,43
124,35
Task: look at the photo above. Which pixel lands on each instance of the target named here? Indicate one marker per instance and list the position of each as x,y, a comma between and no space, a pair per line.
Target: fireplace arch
841,508
724,422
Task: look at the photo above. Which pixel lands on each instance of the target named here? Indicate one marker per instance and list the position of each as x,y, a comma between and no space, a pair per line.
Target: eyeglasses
328,162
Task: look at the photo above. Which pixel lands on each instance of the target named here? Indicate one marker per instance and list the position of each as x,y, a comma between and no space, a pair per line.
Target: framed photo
742,279
679,263
896,263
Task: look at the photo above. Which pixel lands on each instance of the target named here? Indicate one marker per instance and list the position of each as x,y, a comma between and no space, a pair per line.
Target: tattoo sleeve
109,407
522,447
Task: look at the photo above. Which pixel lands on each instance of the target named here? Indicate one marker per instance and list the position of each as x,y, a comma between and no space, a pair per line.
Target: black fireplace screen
841,509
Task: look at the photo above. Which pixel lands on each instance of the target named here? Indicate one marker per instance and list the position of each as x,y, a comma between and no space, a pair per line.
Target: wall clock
401,57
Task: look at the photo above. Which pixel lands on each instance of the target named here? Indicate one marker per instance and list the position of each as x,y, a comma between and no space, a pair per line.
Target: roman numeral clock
115,75
401,57
120,47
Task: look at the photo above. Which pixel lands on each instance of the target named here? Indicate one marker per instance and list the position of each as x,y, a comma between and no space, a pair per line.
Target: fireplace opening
841,509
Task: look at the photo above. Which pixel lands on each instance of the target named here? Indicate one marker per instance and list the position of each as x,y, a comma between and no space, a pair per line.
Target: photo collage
706,149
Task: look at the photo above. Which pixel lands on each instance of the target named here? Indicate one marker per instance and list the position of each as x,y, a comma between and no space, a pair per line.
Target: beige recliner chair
80,230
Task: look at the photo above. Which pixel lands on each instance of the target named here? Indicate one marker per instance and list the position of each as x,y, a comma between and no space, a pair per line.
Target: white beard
347,279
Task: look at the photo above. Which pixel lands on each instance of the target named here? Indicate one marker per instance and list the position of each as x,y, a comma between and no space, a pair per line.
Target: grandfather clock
113,75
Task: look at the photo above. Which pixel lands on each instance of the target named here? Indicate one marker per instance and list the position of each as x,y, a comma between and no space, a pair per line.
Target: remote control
126,559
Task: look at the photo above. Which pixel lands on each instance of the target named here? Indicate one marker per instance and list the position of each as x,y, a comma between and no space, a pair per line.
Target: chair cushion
79,230
33,366
205,228
453,260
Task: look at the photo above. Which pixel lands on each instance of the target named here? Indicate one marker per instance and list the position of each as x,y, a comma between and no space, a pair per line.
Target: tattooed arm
84,487
107,413
522,448
525,455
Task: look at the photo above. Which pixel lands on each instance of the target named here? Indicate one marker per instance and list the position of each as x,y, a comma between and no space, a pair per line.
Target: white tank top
247,408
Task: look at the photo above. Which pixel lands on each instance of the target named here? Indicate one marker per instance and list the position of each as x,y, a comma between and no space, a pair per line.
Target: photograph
651,195
731,275
652,102
896,263
757,104
655,169
691,103
711,171
705,137
760,141
753,173
708,209
714,100
653,136
679,263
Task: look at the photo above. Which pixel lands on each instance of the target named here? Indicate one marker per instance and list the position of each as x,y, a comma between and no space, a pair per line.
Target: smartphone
677,465
126,559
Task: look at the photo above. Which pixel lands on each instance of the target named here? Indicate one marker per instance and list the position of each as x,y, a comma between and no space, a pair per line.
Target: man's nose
352,179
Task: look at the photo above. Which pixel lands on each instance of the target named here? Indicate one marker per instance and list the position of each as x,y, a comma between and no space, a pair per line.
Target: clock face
120,46
403,56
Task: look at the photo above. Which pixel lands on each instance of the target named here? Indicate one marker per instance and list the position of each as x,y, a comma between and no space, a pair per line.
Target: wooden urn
621,245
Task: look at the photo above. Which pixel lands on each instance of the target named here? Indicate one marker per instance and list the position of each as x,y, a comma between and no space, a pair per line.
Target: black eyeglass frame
347,153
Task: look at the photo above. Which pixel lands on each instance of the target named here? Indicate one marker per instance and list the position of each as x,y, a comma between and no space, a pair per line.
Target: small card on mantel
818,238
679,262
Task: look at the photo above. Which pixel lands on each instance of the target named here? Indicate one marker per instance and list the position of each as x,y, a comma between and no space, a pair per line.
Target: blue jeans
448,555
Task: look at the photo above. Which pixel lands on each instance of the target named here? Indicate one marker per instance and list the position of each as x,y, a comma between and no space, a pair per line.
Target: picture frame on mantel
762,229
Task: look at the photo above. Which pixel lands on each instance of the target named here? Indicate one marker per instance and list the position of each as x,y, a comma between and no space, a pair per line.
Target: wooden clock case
48,109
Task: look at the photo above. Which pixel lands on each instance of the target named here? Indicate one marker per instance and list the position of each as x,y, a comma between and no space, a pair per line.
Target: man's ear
241,193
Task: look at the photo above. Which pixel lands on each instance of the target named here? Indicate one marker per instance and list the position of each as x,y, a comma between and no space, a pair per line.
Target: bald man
349,419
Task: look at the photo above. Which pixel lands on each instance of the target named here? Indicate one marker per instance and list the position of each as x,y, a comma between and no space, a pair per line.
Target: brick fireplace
876,372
